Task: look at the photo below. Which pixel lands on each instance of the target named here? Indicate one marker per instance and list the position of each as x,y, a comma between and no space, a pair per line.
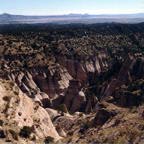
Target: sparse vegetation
49,140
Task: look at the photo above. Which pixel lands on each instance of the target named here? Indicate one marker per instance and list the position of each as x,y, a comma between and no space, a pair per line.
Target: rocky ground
72,84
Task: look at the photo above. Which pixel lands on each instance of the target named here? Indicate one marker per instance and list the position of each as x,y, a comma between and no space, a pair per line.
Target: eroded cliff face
122,77
62,82
44,85
69,81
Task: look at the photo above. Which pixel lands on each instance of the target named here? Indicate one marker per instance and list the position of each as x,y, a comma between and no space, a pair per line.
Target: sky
59,7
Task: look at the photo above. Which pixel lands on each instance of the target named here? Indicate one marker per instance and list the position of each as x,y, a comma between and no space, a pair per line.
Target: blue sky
54,7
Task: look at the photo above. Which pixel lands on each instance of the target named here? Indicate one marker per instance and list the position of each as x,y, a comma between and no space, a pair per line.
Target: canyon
72,83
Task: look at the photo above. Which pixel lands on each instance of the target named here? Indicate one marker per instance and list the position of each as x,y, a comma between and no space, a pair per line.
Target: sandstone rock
43,84
52,113
74,68
72,92
74,98
60,131
65,122
20,110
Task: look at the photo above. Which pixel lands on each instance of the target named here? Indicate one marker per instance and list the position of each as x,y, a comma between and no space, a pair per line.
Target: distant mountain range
71,18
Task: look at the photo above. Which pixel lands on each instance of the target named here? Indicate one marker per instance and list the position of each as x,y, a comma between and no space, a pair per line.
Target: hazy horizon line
72,14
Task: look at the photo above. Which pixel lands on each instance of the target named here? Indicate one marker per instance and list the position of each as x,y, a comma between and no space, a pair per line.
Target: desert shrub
6,98
48,140
2,134
25,131
1,122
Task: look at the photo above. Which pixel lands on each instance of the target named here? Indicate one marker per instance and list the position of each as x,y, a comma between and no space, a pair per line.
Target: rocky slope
21,118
